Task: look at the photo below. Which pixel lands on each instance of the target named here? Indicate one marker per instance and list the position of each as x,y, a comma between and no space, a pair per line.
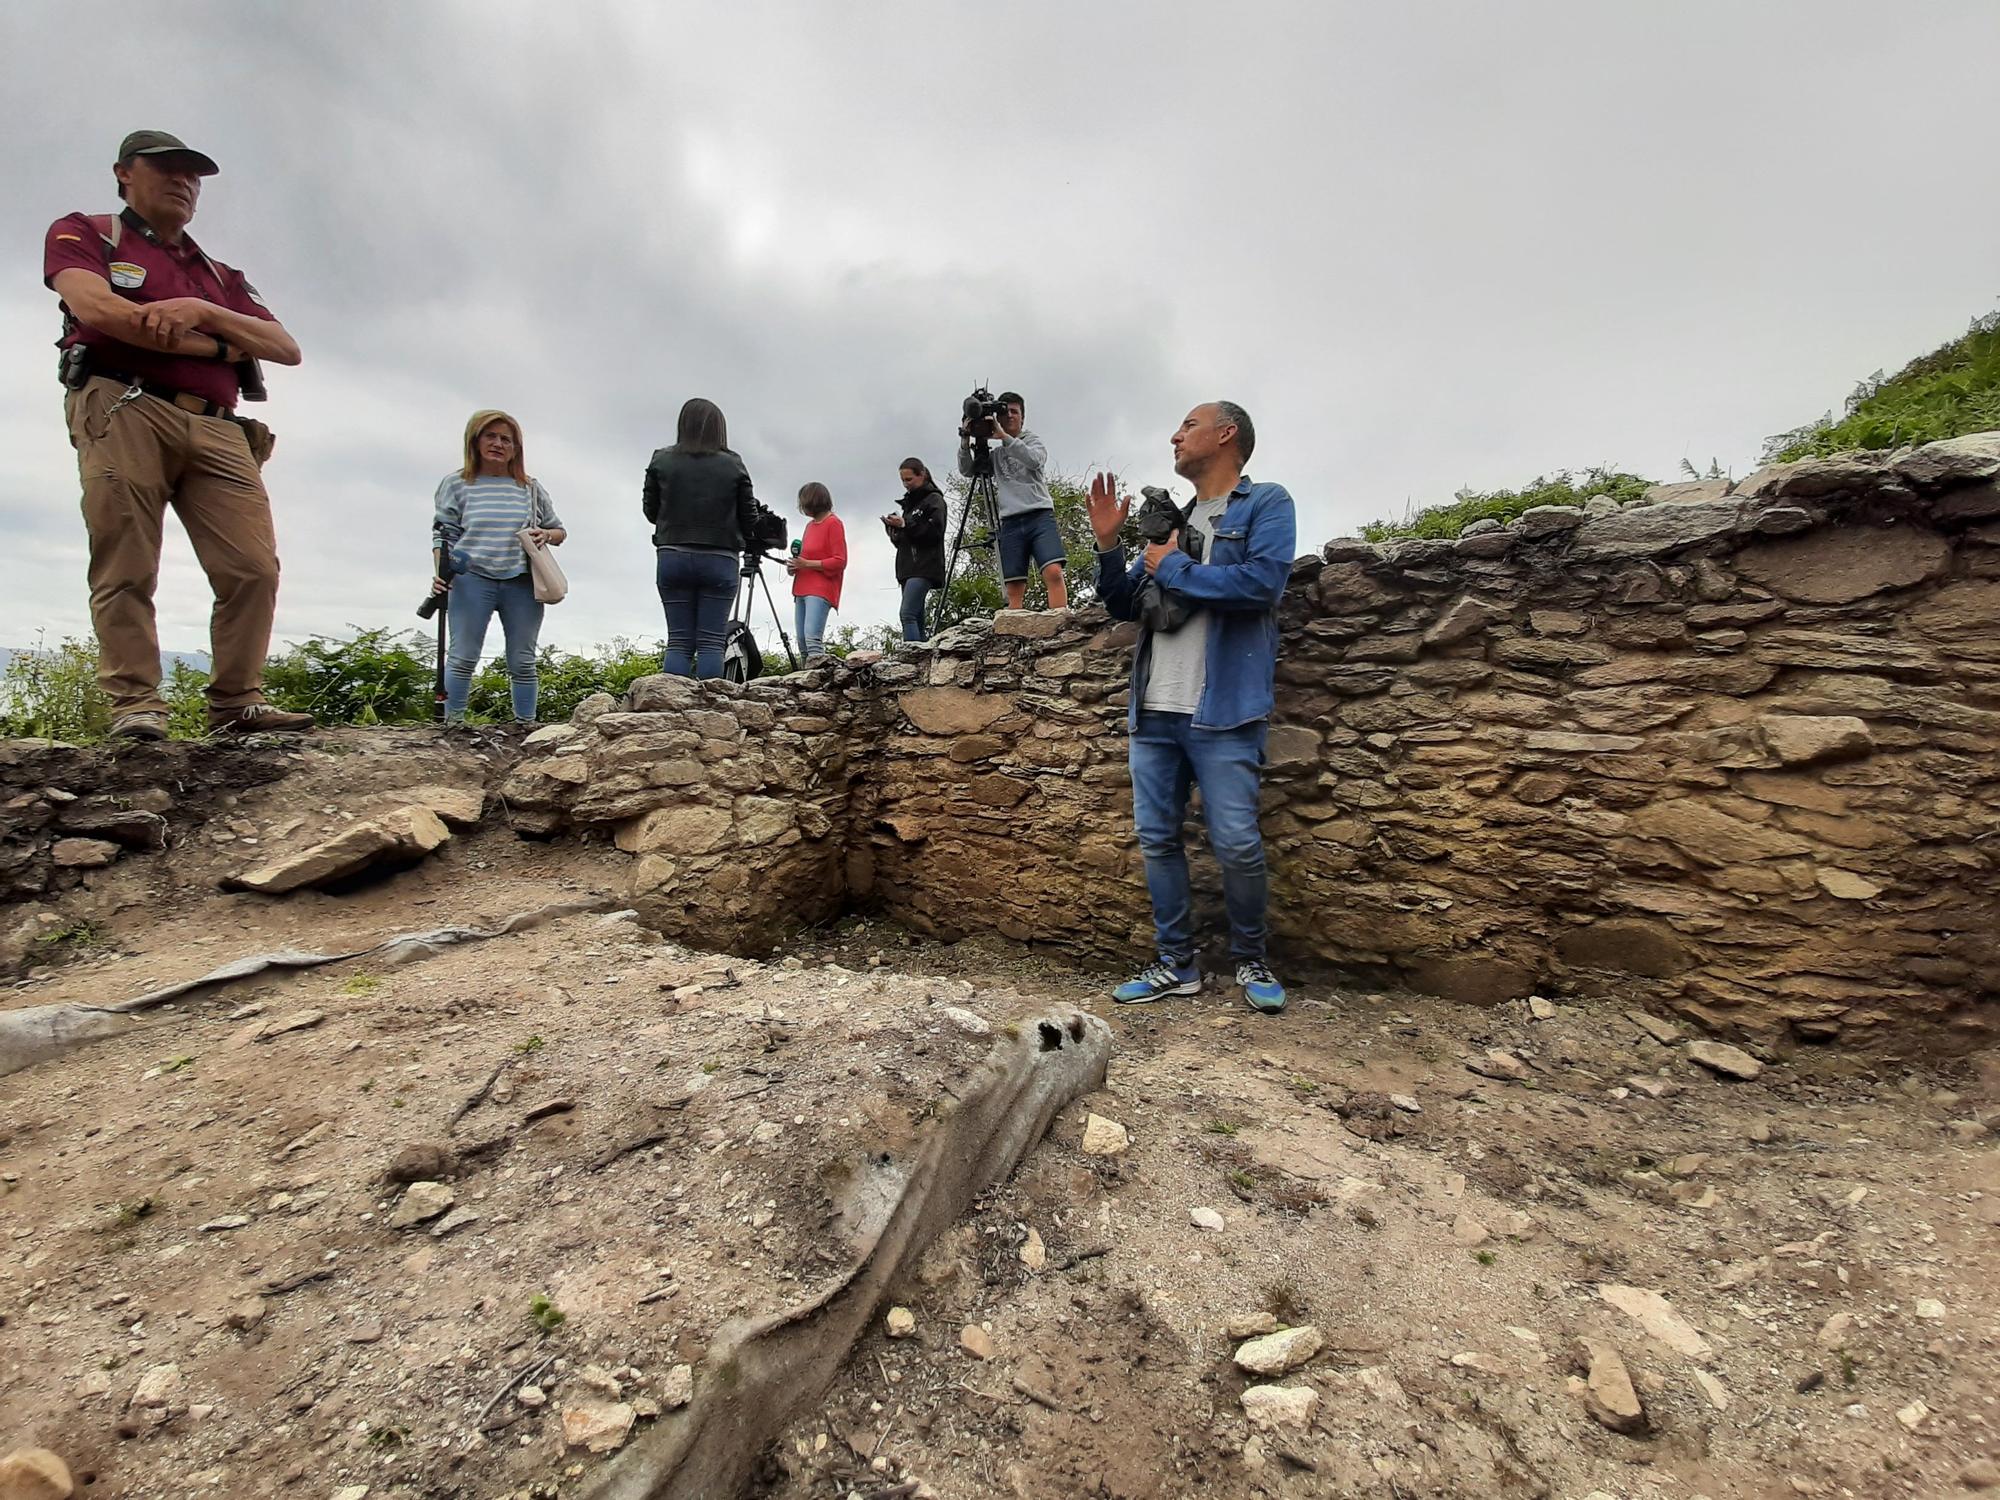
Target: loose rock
901,1322
1279,1353
1034,1254
34,1474
595,1425
1721,1057
1104,1137
421,1201
1656,1316
1608,1393
1207,1218
1980,1474
1271,1407
677,1389
157,1388
976,1341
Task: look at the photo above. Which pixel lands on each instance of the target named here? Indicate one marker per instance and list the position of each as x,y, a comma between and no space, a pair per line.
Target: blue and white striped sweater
477,521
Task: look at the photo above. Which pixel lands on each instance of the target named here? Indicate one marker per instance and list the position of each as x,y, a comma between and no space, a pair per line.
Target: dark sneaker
1261,990
1160,981
141,725
257,718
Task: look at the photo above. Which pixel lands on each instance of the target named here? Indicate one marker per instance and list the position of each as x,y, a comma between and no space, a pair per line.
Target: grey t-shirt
1179,667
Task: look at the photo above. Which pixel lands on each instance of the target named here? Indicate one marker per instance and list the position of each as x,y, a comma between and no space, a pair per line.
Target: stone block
1548,520
1709,836
660,692
1653,530
1291,745
83,854
953,710
1953,461
1628,945
395,838
1840,566
682,830
1031,624
1803,739
1688,492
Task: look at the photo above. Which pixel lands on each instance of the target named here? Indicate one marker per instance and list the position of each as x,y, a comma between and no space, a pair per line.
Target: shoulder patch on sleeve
251,292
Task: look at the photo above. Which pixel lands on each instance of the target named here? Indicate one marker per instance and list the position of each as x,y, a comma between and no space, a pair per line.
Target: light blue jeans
472,603
1168,756
809,612
916,593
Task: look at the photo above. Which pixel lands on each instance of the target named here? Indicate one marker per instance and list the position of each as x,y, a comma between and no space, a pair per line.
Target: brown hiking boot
141,724
257,718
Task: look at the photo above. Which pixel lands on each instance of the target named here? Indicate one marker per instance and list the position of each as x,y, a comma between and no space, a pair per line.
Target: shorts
1029,542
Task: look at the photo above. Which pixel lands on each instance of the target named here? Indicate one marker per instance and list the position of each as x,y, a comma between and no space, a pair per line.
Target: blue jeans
471,604
1168,755
697,590
916,593
809,613
1029,542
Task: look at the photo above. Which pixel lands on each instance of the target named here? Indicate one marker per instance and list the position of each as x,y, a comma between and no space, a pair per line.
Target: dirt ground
203,1290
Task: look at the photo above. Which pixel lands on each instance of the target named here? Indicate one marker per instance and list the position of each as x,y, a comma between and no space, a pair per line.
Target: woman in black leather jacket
698,498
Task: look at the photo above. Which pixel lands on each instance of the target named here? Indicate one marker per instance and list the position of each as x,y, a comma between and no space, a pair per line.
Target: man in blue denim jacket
1201,694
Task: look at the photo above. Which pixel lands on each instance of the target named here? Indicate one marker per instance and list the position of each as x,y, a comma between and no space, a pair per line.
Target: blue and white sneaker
1159,981
1261,990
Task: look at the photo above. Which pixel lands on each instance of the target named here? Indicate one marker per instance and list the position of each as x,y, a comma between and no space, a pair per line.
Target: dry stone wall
1731,749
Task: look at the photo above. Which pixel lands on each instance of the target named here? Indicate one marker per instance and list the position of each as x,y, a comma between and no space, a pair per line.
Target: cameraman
1201,694
1028,535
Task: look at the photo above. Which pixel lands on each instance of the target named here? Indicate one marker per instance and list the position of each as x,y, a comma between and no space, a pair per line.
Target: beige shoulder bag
551,587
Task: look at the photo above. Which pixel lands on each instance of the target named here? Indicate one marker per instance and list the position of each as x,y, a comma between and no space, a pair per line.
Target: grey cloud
1426,245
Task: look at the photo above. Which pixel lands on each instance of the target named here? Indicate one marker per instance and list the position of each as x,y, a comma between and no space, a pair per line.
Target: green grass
1570,487
1953,390
547,1316
361,984
79,936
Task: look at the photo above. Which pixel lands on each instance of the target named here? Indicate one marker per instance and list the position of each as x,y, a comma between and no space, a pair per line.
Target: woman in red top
816,568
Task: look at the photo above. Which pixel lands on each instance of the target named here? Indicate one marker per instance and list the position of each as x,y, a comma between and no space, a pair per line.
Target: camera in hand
447,565
1159,518
1162,610
767,533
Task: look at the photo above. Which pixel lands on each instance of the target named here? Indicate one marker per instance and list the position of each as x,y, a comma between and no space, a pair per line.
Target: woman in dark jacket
698,499
918,532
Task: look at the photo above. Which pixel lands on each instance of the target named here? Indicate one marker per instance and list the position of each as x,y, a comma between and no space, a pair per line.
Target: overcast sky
1426,244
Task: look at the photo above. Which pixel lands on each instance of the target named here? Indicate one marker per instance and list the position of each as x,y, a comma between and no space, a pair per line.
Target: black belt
187,401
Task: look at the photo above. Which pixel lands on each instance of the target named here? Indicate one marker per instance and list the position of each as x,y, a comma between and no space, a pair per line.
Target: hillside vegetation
1953,390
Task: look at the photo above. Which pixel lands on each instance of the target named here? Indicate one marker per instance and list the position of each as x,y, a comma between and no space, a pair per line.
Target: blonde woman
481,511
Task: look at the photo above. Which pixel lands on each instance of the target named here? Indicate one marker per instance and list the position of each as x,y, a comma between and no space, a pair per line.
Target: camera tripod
983,496
741,660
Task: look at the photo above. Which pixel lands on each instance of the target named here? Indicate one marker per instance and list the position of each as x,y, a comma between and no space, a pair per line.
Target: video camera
768,533
980,410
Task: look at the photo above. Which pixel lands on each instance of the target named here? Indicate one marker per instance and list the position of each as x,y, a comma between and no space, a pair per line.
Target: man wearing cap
157,339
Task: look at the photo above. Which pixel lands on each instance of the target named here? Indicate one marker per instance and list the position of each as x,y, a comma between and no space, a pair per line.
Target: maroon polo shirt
145,269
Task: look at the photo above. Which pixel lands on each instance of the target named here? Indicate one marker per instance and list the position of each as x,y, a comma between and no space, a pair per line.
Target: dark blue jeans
469,608
1168,755
697,590
916,592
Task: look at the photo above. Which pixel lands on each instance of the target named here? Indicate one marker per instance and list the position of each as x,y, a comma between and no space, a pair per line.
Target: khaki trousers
137,458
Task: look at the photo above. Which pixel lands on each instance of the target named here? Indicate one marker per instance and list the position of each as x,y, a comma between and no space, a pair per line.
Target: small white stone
1207,1218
